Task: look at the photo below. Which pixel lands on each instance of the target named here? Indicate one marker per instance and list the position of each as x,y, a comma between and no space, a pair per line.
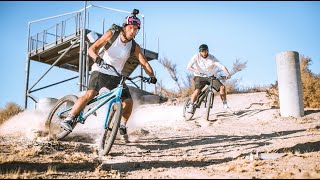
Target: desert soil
256,142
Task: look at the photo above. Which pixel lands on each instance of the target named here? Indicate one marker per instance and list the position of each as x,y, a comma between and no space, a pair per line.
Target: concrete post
289,84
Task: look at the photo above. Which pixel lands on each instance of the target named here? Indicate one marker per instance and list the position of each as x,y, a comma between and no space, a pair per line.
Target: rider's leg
93,89
83,101
199,83
127,105
78,106
223,93
194,95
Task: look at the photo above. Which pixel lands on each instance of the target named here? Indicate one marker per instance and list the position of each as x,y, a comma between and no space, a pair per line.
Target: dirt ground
256,142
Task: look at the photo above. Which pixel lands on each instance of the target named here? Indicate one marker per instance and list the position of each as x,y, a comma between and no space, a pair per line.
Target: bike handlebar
219,77
107,66
144,79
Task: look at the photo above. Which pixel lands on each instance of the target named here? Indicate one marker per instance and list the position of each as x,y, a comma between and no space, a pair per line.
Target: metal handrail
58,34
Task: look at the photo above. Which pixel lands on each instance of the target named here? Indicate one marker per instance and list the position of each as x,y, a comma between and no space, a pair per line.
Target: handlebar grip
145,79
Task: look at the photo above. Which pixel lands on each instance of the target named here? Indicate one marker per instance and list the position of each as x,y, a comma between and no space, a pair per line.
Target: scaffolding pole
82,45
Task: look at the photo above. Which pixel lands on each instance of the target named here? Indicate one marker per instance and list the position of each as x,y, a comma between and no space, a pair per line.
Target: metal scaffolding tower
69,51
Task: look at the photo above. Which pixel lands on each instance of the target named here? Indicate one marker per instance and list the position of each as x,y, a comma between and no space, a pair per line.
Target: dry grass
10,110
51,170
17,174
310,86
11,175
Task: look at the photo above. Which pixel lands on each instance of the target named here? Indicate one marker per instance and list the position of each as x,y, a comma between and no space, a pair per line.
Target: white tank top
117,55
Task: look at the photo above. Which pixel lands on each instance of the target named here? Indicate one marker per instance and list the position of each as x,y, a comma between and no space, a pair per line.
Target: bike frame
203,94
111,97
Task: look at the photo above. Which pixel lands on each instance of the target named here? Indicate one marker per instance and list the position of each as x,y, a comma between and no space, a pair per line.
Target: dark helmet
203,47
132,19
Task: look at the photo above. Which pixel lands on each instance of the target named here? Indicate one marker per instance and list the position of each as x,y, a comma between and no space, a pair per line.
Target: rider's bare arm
143,61
95,47
225,70
228,74
193,69
190,68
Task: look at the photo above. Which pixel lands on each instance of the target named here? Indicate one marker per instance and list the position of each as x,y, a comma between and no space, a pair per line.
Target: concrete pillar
289,84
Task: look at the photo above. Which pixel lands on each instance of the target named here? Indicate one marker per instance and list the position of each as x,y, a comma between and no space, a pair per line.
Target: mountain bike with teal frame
112,119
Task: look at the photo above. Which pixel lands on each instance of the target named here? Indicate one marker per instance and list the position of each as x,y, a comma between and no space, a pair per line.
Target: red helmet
132,19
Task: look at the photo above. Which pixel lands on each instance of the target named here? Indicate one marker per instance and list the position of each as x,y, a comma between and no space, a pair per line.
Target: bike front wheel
58,113
110,132
187,115
210,98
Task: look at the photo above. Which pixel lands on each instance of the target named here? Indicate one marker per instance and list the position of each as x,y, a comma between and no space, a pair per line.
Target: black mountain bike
205,97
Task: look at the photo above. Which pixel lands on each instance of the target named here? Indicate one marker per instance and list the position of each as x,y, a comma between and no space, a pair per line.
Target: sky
249,31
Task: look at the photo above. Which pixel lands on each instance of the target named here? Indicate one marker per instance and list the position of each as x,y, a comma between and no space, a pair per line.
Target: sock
225,105
123,123
70,116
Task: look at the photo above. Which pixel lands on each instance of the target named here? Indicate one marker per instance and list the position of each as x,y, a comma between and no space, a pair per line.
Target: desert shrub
252,89
273,94
310,86
10,110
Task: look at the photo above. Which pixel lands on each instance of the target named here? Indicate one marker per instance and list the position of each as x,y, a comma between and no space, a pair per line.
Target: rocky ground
256,142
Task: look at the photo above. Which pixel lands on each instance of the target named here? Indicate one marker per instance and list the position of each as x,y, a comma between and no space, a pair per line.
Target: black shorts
99,80
200,82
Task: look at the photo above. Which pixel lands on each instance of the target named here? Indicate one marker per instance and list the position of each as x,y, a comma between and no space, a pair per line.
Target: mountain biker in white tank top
116,55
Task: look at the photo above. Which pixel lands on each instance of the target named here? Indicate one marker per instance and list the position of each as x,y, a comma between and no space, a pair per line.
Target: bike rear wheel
186,114
110,132
58,113
210,98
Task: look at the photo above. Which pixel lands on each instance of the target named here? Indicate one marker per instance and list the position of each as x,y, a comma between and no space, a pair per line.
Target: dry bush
232,85
273,94
310,86
10,110
165,92
171,67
